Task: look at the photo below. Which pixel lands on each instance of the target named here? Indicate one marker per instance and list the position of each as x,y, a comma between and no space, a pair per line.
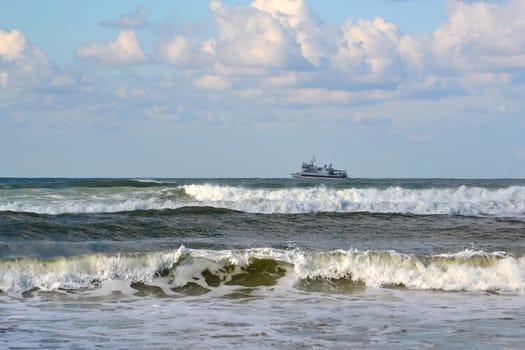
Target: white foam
82,272
464,271
456,201
76,200
462,200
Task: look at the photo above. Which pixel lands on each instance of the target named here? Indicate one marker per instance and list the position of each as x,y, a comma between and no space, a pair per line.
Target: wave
194,271
462,200
93,200
62,183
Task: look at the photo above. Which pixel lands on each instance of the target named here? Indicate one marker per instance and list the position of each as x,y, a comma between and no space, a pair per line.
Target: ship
312,171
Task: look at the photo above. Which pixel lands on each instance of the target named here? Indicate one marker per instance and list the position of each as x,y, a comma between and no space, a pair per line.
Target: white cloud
177,51
22,65
279,53
209,46
481,36
125,50
414,52
250,37
314,38
368,46
12,45
277,62
283,80
291,12
271,44
164,113
212,82
247,72
310,96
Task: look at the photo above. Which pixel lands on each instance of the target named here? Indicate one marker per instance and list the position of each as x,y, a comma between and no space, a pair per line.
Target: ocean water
262,263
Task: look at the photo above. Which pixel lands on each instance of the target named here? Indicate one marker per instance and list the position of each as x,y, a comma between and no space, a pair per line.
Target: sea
262,263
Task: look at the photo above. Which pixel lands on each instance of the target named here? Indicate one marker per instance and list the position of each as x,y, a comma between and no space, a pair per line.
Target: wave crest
454,201
463,200
187,271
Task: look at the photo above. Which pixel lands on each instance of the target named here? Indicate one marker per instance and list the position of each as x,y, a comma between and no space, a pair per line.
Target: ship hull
318,176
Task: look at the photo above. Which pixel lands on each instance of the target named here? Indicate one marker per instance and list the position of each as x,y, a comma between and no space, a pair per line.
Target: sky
233,88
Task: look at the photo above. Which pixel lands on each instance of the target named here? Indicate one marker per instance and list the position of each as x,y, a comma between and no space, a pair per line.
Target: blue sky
381,88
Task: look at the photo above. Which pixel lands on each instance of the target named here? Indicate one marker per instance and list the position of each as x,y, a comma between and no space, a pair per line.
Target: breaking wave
192,271
462,200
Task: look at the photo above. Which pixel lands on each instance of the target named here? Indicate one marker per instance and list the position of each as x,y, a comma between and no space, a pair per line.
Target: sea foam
475,271
454,201
462,200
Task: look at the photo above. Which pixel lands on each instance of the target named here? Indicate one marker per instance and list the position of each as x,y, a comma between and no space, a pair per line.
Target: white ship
312,171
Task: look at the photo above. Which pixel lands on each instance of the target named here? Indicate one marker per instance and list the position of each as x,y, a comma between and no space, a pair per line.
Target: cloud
22,65
283,44
314,38
125,50
414,53
12,45
164,113
254,38
292,12
287,36
481,36
368,46
179,50
134,20
212,82
279,55
311,96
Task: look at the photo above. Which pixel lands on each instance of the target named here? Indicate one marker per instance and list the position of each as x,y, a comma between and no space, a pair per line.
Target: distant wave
462,200
187,271
63,183
93,200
